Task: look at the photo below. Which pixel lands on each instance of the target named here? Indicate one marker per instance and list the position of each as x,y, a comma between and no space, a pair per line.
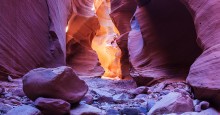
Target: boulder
24,110
59,83
172,103
50,106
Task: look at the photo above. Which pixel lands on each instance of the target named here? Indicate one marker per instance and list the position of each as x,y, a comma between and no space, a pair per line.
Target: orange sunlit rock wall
104,42
82,27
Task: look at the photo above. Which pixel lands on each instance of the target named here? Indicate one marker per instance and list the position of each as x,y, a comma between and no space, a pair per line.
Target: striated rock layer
32,35
204,75
82,28
162,43
104,42
121,14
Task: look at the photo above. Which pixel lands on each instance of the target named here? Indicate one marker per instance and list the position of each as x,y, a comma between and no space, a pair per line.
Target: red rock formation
82,28
167,46
32,34
104,42
121,14
204,75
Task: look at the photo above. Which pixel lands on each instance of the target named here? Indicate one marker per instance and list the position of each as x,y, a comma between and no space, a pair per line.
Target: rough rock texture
121,14
50,106
59,83
204,75
82,28
32,35
166,46
172,103
24,110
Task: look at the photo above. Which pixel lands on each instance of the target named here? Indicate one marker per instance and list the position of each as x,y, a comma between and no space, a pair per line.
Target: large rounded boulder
59,83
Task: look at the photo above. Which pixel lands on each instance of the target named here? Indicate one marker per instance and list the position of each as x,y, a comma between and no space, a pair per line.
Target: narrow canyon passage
109,57
104,43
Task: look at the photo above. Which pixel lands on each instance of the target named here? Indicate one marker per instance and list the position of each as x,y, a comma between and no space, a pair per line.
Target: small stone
4,108
106,99
120,98
150,104
141,97
15,102
18,92
24,110
202,106
88,99
1,90
52,106
142,110
8,95
196,102
112,112
139,90
130,111
10,79
197,108
84,109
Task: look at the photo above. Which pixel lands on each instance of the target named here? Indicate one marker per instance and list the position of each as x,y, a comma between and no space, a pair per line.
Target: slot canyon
109,57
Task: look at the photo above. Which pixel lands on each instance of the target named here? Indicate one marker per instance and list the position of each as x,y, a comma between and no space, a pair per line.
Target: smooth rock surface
59,83
50,106
204,74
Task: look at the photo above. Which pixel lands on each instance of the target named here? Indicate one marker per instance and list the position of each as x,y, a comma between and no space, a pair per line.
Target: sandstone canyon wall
82,28
104,42
204,75
121,14
175,39
157,39
32,35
